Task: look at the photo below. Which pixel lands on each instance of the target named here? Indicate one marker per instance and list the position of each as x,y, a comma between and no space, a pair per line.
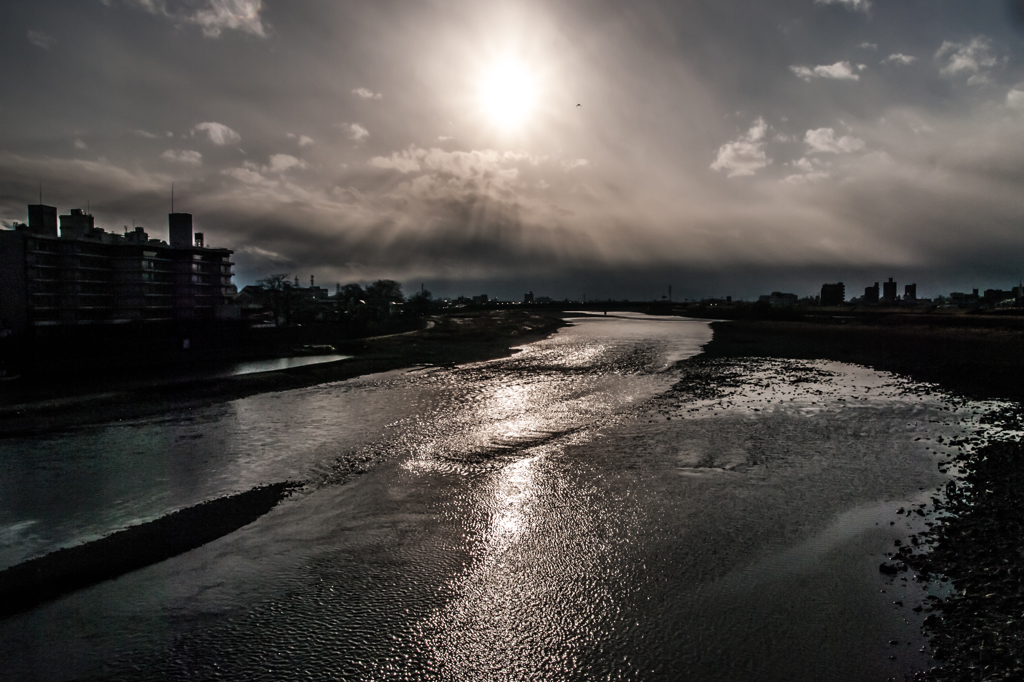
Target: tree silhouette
419,303
351,297
383,293
279,288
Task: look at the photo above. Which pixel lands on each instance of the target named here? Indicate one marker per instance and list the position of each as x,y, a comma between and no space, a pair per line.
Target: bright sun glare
508,94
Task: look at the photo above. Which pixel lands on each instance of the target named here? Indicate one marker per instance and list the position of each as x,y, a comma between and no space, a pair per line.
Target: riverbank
983,363
450,340
976,542
446,341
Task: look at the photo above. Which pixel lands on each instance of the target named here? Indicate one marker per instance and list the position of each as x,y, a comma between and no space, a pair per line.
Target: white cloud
746,155
572,164
367,94
868,46
838,71
239,15
256,186
853,5
218,133
899,58
183,156
444,138
355,131
40,39
1015,97
279,163
472,163
440,175
144,133
405,161
305,141
262,253
80,145
973,59
446,175
808,170
823,140
804,164
214,16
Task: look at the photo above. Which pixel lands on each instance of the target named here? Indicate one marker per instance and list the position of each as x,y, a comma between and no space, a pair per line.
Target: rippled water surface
585,509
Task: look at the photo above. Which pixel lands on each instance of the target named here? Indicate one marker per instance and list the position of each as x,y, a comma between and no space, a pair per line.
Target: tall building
833,294
871,294
43,219
76,225
86,276
910,292
889,291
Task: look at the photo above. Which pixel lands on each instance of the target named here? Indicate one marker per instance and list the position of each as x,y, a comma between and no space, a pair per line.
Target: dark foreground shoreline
448,340
977,540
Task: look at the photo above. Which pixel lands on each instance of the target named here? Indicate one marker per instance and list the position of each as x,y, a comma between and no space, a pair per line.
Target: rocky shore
977,632
974,546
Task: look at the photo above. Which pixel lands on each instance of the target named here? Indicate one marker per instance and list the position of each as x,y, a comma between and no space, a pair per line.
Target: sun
508,94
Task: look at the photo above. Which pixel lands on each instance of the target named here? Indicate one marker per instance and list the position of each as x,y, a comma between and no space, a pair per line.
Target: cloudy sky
725,147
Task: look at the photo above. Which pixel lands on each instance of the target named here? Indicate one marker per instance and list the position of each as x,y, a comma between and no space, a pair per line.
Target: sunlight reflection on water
566,513
277,364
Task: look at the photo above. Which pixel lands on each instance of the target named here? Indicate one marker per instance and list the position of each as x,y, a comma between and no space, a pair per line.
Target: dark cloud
728,147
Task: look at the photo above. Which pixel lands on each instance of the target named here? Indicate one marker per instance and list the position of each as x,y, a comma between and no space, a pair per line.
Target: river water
574,512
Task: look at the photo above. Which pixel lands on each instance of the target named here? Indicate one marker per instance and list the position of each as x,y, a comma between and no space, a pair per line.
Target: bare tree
278,287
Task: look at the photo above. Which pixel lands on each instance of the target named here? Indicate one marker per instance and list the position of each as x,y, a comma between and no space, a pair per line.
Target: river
572,512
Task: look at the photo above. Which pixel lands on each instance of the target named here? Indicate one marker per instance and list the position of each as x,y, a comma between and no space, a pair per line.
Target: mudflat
976,541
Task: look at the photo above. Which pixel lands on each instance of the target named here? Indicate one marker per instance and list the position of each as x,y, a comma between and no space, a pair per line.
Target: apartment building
82,275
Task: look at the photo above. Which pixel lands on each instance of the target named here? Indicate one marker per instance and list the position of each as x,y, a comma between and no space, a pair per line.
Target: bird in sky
579,105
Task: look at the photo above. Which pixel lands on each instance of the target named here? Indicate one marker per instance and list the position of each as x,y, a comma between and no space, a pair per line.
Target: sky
571,148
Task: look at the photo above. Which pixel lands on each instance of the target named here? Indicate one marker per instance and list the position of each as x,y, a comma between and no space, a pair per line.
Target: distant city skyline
725,149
